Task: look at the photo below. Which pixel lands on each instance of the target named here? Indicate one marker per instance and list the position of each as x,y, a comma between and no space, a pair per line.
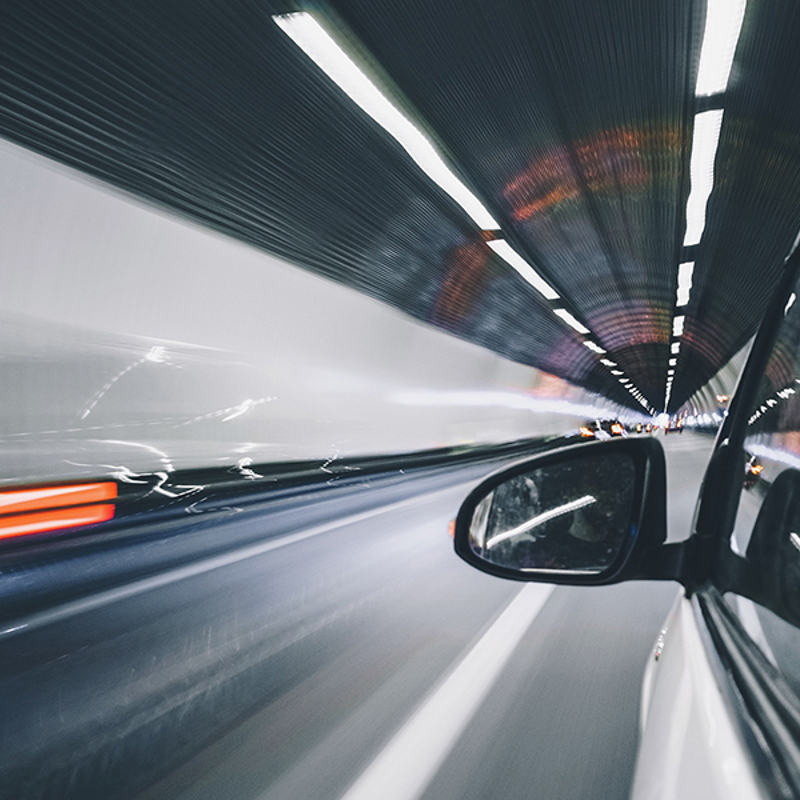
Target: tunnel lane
288,671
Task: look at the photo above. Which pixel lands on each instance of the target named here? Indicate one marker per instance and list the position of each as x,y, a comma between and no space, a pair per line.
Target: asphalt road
355,657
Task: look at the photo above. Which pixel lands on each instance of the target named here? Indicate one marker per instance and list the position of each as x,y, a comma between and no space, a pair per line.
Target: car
752,472
720,708
602,429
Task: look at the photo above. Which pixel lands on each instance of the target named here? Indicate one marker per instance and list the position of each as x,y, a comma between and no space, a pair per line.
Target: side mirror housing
584,514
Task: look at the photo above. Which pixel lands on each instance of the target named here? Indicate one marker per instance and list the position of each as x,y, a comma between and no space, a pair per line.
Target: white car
720,713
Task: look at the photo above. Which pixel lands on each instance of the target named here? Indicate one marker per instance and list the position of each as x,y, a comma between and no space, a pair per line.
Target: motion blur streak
39,522
280,670
196,569
20,500
404,768
315,41
55,508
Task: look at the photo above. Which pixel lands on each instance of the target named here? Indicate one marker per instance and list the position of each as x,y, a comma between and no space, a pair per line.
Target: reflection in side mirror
572,516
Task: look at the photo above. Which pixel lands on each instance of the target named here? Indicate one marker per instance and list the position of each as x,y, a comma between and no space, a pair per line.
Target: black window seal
765,707
719,496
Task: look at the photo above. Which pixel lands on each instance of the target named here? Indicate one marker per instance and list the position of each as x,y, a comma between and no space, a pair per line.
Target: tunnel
282,283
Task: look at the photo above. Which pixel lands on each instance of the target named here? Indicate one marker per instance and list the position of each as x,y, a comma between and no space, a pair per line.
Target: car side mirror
582,514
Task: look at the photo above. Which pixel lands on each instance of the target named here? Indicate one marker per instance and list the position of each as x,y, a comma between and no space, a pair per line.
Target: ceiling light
677,325
723,24
593,347
617,372
670,372
608,362
673,362
514,259
707,126
675,347
684,282
318,45
570,320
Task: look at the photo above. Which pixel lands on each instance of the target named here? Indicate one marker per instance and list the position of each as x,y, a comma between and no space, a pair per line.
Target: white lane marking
405,767
99,599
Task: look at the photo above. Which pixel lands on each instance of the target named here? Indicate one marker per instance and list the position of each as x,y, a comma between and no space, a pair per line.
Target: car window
767,529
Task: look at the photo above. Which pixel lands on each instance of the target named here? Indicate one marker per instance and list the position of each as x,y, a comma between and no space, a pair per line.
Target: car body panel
690,747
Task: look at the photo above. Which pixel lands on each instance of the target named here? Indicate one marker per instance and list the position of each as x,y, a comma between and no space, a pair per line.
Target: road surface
351,655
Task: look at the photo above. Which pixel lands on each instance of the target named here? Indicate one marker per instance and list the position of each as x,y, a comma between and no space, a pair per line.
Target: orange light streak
49,508
43,497
41,521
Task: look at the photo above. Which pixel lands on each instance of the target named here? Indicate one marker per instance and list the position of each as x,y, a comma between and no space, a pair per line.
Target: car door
721,695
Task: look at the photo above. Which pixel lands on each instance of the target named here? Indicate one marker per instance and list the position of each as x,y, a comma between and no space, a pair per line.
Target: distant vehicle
602,429
720,714
617,429
752,472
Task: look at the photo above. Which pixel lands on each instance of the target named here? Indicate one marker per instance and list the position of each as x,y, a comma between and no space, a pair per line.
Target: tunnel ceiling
572,121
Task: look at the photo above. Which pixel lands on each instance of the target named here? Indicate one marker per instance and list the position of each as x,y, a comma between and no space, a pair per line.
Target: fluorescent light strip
685,272
677,325
673,362
593,347
723,25
675,347
514,259
608,362
570,320
317,44
707,125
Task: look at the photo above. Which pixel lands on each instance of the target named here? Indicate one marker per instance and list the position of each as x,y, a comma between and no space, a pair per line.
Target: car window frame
765,708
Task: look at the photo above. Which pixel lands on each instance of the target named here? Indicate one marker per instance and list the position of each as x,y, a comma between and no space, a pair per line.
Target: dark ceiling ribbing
571,120
577,126
754,210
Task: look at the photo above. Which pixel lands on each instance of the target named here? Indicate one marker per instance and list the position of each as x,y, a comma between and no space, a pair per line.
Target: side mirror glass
572,516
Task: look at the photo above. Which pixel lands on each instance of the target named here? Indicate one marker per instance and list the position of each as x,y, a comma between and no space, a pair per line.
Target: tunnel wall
134,338
707,407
